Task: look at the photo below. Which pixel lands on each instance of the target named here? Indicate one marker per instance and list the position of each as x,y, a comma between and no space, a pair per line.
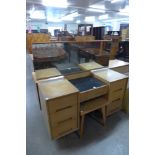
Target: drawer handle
63,108
65,120
116,100
61,133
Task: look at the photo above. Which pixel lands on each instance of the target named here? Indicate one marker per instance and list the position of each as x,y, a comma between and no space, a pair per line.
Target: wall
42,25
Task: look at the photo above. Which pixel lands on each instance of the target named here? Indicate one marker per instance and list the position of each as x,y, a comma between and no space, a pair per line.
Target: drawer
114,106
93,93
64,127
61,103
117,85
63,114
117,94
122,69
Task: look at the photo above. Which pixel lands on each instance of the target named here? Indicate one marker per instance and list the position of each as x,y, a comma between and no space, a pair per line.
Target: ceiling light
55,3
90,19
67,18
95,6
78,21
54,20
72,15
103,17
115,1
37,15
117,20
96,10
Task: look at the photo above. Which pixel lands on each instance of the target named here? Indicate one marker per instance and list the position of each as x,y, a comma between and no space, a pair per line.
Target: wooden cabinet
117,85
59,100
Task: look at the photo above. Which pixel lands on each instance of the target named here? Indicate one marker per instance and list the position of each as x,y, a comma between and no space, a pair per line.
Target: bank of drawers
63,115
116,94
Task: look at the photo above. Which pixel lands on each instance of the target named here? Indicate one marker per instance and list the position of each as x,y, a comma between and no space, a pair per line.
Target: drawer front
64,127
117,85
84,96
114,106
118,94
122,69
61,103
63,115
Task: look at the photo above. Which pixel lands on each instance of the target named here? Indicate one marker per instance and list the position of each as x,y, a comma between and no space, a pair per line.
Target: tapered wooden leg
38,96
82,125
103,115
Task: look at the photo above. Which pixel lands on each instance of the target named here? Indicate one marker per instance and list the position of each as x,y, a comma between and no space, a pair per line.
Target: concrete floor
97,140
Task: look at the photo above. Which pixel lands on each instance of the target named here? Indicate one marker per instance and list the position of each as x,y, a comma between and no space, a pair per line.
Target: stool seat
92,105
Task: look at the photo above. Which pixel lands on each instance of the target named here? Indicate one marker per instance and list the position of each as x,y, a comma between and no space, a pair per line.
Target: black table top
86,83
70,70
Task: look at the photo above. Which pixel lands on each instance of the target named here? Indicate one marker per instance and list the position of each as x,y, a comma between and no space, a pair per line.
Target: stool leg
82,125
103,115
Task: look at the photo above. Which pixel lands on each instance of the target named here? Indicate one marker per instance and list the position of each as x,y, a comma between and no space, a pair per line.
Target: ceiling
112,9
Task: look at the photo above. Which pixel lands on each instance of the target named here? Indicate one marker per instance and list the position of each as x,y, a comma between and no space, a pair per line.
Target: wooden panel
61,103
64,127
63,115
46,73
56,87
90,66
114,106
122,69
78,75
108,75
45,113
92,93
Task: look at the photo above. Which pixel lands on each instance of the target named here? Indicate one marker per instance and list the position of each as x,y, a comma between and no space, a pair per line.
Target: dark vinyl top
86,83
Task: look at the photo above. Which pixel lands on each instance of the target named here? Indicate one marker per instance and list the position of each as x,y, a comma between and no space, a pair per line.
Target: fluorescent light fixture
67,18
117,20
95,10
90,19
97,6
72,15
103,17
37,15
115,1
78,21
55,3
54,20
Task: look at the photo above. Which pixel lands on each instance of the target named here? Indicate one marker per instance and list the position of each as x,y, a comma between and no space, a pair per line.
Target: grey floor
98,140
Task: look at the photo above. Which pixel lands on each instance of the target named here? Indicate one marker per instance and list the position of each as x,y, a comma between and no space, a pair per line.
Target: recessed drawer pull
61,133
65,120
116,100
117,90
63,108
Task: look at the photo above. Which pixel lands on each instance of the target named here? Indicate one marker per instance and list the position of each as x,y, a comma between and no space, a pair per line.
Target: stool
89,106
